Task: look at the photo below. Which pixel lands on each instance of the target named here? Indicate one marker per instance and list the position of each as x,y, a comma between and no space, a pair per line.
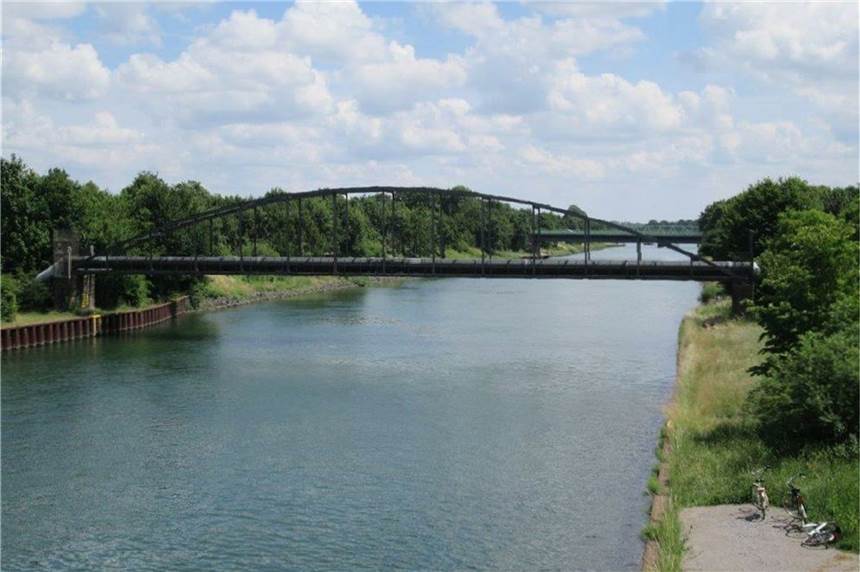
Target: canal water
443,424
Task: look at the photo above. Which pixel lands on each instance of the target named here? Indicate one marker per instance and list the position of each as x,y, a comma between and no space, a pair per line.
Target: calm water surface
444,424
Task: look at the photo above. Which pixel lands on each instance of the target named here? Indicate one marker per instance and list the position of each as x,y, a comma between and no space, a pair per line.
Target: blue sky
631,110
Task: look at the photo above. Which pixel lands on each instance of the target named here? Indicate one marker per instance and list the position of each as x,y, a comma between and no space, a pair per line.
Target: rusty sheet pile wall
45,333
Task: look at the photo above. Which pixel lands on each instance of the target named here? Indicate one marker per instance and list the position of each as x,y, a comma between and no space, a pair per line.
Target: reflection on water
446,424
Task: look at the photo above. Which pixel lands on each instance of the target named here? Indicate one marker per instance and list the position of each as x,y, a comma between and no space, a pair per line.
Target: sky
633,111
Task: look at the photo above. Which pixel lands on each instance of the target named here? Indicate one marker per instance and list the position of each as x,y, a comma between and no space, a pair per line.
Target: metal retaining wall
45,333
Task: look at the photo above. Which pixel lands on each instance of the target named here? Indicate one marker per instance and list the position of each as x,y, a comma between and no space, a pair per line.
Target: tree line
806,240
33,205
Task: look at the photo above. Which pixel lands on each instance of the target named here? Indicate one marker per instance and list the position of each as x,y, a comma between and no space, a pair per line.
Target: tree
726,225
809,264
570,218
25,219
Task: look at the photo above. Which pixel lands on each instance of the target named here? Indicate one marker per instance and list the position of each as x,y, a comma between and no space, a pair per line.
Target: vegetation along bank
33,205
779,387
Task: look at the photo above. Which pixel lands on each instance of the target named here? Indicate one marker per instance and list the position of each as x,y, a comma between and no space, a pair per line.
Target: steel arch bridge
116,259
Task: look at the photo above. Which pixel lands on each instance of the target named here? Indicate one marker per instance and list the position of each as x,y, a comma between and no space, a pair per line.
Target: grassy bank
241,287
713,445
29,318
228,290
233,290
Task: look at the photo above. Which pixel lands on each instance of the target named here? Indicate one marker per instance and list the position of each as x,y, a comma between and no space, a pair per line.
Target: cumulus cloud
609,101
236,73
128,24
57,70
401,79
100,142
322,94
510,62
811,48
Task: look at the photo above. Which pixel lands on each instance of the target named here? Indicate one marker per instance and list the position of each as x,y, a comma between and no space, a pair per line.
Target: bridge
616,236
75,270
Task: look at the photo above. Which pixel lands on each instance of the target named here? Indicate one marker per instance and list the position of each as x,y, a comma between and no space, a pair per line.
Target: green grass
711,292
714,442
653,485
243,287
669,536
26,318
247,287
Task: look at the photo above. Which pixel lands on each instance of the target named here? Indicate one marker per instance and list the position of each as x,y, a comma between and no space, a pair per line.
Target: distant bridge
618,236
69,266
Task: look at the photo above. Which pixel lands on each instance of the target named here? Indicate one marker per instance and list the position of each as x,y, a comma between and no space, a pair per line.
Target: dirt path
731,537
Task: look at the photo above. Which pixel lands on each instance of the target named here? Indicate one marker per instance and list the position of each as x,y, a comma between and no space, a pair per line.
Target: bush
135,290
8,298
32,294
811,393
711,291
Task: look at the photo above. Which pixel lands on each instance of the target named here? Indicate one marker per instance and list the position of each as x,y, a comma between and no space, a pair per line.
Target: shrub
711,291
8,298
810,394
135,290
32,294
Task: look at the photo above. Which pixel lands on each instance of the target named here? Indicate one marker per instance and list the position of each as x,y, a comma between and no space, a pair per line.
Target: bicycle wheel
793,530
822,538
818,540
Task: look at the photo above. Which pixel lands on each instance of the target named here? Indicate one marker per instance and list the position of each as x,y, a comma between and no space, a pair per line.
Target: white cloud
598,9
100,143
814,39
43,10
510,62
237,73
562,165
58,70
128,24
331,32
810,48
609,101
402,79
324,95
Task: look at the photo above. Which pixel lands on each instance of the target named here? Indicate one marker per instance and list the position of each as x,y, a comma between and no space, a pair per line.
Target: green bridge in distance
687,236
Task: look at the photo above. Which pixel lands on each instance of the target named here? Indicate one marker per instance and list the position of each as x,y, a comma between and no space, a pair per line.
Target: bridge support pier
70,290
741,292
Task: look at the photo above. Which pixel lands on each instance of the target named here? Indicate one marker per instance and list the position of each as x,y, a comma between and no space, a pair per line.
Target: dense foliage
8,297
733,226
808,265
805,241
34,205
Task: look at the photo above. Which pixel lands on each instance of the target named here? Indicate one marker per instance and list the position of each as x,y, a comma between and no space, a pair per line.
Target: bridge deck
491,267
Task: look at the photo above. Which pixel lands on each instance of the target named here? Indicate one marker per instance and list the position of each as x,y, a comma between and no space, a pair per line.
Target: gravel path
731,537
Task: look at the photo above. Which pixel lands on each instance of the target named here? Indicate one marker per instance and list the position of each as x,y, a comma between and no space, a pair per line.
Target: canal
442,424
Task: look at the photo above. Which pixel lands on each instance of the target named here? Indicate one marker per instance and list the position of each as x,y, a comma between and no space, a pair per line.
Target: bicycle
795,505
760,500
824,534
